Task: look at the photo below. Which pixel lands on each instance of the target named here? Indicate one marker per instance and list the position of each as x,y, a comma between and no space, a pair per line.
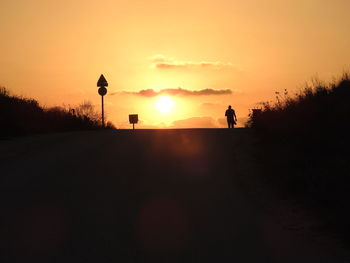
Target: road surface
146,196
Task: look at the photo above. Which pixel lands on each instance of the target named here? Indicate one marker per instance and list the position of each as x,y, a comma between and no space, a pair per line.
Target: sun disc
165,104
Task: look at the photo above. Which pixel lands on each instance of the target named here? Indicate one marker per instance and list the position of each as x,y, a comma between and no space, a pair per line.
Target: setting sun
165,104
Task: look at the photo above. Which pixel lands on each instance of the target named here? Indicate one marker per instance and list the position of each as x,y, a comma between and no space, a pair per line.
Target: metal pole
103,114
133,126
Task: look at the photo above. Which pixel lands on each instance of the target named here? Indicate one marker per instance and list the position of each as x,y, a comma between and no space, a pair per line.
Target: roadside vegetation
304,148
24,116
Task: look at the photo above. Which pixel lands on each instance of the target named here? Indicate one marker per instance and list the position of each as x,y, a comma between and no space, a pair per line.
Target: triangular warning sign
102,82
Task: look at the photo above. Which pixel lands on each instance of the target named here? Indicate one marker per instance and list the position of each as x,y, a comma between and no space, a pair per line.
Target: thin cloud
209,105
158,59
162,62
175,92
196,122
181,64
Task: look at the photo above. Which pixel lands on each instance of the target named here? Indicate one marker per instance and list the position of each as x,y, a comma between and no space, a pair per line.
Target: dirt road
144,196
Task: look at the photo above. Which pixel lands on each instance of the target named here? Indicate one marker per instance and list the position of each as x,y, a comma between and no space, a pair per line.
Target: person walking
231,117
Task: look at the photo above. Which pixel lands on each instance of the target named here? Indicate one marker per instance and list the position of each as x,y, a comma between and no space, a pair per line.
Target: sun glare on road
165,104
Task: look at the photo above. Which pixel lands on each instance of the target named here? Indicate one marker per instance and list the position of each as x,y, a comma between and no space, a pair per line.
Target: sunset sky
202,55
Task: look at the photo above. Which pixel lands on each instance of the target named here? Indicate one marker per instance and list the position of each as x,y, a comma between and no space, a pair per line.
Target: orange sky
55,51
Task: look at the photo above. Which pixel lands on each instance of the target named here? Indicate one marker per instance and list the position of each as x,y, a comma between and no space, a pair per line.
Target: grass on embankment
23,116
305,148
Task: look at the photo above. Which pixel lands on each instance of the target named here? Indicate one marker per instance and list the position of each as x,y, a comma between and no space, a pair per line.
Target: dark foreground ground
148,196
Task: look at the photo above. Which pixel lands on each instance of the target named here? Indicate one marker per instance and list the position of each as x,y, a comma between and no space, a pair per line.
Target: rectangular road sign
133,118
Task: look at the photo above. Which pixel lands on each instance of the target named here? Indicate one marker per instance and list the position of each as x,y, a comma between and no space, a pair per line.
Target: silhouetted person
231,117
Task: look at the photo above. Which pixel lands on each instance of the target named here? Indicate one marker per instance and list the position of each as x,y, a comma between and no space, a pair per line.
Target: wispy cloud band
175,92
162,62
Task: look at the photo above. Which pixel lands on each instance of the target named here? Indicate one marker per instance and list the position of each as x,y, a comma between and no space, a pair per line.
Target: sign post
102,83
133,118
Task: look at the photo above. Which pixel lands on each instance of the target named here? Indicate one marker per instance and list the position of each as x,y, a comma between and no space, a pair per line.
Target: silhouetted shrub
22,116
86,110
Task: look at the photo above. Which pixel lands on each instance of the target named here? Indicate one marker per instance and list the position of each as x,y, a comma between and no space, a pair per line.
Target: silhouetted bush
22,116
305,145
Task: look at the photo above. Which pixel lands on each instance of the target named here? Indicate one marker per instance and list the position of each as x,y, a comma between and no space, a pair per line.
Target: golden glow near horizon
54,51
